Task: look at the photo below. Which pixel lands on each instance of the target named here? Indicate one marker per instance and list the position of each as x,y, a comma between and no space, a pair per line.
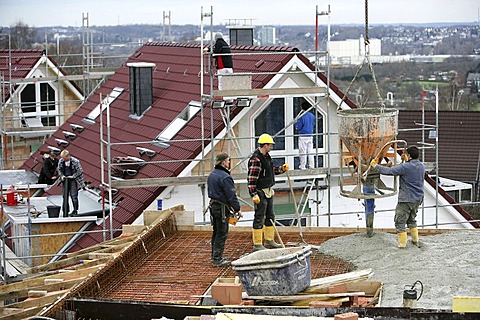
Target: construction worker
410,195
223,201
305,127
224,63
261,178
48,174
71,175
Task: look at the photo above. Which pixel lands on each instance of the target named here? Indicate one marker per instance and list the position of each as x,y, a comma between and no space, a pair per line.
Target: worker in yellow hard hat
261,178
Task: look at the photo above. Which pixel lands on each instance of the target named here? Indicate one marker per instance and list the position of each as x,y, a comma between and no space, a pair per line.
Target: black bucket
53,211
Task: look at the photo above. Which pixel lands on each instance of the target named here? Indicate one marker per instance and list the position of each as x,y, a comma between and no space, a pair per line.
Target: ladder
303,203
236,145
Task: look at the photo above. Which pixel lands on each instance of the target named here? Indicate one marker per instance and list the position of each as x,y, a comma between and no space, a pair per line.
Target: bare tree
22,36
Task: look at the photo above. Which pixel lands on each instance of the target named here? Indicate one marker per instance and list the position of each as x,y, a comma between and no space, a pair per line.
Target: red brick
324,304
247,303
354,301
346,316
341,288
362,302
227,293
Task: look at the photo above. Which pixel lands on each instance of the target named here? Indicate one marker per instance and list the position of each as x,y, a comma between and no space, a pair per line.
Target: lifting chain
370,66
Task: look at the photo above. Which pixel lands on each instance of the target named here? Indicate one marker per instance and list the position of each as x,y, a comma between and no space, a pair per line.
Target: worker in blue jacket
305,127
410,194
223,203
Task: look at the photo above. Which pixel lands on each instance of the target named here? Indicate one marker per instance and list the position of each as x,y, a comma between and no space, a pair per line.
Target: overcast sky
277,12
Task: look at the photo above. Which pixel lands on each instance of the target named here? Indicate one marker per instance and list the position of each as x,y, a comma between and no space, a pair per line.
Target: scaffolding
22,132
318,180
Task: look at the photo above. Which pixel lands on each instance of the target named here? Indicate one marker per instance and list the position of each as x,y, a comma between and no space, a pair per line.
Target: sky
40,13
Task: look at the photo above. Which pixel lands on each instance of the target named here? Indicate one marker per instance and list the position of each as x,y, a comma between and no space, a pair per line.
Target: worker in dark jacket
71,174
224,63
48,174
223,203
260,180
410,194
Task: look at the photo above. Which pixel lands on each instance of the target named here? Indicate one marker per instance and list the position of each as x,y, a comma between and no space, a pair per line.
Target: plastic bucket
53,211
275,271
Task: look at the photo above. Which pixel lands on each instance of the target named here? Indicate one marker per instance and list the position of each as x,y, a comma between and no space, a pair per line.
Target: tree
21,36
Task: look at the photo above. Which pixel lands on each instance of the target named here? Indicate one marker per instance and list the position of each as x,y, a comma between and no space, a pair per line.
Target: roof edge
233,47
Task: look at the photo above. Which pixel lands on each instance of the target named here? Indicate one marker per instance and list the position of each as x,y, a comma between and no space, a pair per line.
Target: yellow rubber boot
257,236
415,238
270,236
402,239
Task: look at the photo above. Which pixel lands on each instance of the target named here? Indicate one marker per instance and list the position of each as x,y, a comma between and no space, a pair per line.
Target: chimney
141,87
241,31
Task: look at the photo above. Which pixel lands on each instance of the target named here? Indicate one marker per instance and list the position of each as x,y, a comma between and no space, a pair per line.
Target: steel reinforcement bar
100,283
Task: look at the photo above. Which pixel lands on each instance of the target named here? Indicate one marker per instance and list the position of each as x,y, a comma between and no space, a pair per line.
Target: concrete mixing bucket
365,131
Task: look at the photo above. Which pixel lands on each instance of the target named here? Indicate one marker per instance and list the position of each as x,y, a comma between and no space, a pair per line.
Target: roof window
178,123
112,96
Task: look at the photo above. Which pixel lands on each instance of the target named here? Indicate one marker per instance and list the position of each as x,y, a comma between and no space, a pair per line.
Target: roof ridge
233,47
23,50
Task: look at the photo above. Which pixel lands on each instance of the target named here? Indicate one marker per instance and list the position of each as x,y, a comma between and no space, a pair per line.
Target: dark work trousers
70,188
220,230
263,212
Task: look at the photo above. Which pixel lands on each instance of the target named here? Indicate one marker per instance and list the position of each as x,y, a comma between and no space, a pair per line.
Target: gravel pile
447,264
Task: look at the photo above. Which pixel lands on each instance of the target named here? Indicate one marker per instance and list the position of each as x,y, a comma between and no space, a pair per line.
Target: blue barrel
279,272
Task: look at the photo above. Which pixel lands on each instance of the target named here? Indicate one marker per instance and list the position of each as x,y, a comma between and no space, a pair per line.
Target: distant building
352,51
473,81
268,36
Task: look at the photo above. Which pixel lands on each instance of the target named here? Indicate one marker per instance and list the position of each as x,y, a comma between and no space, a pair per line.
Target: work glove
404,157
63,178
374,163
256,199
285,167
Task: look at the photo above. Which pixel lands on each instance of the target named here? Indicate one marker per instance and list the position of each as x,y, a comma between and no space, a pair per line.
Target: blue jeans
70,188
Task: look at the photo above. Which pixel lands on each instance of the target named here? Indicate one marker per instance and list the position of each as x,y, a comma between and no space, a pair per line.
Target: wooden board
53,244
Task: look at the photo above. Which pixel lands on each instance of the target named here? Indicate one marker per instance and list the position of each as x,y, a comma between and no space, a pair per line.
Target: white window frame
39,114
112,96
290,131
174,127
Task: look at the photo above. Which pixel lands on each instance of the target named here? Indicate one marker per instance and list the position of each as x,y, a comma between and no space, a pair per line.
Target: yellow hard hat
265,138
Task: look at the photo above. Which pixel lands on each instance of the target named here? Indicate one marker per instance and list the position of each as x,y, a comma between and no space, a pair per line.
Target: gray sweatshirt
412,175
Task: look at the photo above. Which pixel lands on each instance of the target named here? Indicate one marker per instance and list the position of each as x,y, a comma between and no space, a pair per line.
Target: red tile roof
22,63
176,82
458,141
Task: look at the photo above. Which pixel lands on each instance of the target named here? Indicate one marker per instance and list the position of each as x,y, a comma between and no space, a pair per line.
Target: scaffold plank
262,93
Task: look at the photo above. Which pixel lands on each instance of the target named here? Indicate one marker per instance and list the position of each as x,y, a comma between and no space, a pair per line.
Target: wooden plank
39,281
48,299
22,293
322,283
22,314
58,264
261,93
300,297
369,287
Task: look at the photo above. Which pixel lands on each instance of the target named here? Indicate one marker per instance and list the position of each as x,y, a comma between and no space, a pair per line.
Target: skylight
93,115
179,122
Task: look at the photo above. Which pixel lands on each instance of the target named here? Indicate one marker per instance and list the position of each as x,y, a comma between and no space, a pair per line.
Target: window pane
49,121
28,98
297,106
271,121
47,97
